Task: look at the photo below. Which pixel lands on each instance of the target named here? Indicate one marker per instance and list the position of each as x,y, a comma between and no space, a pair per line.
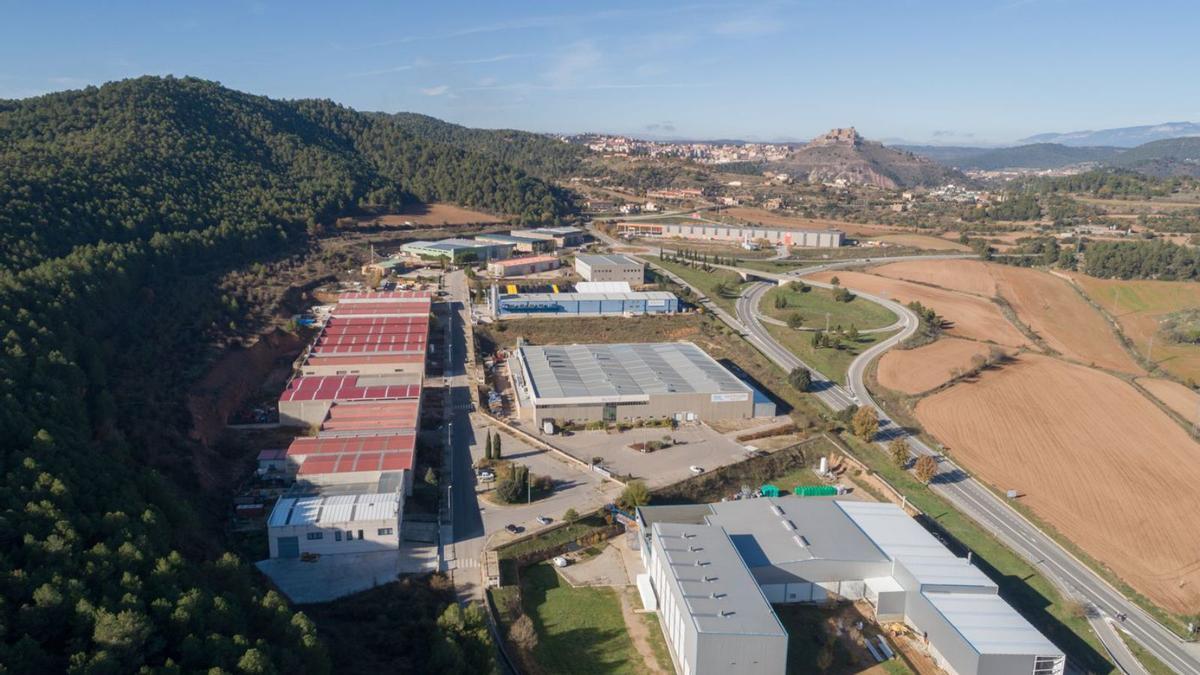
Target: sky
957,72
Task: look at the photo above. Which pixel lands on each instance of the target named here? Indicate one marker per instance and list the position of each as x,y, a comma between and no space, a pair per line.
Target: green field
580,630
818,303
830,362
1020,584
706,281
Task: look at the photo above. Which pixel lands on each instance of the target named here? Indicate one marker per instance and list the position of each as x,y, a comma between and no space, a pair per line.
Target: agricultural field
1046,303
1114,474
926,242
816,303
967,316
1139,306
914,371
1184,401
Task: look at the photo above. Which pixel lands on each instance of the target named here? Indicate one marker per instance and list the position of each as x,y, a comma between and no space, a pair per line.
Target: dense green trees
121,208
1141,260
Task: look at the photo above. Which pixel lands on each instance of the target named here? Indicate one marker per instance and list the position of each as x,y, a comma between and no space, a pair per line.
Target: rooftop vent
788,525
776,510
708,579
801,540
727,612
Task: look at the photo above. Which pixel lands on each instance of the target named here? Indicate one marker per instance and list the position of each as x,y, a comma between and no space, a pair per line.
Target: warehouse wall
328,544
659,405
303,413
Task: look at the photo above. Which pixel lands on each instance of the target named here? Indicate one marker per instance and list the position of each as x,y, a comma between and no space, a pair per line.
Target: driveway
698,445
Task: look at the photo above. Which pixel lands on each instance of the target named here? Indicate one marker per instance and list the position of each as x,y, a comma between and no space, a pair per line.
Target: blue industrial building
582,304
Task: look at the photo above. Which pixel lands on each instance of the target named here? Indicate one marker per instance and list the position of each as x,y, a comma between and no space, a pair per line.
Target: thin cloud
439,90
422,63
580,59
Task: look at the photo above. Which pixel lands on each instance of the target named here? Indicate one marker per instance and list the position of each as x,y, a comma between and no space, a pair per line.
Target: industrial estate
291,388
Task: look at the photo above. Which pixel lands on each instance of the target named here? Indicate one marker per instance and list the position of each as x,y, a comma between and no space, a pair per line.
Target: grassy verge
818,303
658,642
556,537
1148,661
830,361
1020,584
580,630
706,281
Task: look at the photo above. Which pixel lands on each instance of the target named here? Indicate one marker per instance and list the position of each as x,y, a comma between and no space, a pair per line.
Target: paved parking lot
334,576
574,487
699,445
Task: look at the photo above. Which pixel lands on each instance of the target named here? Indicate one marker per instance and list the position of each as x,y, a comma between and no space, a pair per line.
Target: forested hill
121,209
538,154
149,155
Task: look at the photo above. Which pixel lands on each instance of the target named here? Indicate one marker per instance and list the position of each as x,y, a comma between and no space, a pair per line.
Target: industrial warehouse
610,268
515,267
626,303
358,387
713,571
611,382
774,236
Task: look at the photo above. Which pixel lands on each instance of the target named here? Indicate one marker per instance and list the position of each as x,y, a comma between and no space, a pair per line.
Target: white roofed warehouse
342,523
610,268
813,549
620,382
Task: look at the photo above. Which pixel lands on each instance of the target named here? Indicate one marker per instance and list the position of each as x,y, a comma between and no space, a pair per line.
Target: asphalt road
1071,576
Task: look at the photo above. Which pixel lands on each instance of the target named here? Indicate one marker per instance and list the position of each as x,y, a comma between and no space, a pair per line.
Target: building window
313,536
337,536
385,531
360,536
349,535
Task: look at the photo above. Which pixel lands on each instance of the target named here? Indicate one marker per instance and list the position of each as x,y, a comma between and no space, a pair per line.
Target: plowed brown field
970,316
1044,302
1067,323
912,371
969,276
1093,457
1175,396
1138,306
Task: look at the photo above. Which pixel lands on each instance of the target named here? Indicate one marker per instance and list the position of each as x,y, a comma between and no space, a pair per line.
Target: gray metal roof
323,509
991,625
718,590
608,260
624,371
578,297
765,531
904,540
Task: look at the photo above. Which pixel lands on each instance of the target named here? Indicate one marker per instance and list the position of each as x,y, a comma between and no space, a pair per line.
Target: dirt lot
1138,306
1114,474
912,371
439,214
969,316
1175,396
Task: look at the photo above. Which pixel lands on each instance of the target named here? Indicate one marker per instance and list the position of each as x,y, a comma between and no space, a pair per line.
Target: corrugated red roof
363,359
382,309
372,416
345,388
417,340
352,444
352,462
384,295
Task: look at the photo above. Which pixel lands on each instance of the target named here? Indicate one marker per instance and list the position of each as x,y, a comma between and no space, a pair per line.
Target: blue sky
970,71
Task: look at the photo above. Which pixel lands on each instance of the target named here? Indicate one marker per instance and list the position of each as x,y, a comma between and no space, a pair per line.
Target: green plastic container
815,491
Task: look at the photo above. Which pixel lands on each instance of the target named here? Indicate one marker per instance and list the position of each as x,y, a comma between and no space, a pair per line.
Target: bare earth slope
912,371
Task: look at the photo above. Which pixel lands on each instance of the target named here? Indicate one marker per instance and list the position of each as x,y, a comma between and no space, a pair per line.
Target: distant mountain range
1122,137
842,154
1161,158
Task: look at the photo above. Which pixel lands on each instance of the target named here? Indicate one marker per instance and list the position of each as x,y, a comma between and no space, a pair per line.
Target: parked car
560,561
543,520
696,469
